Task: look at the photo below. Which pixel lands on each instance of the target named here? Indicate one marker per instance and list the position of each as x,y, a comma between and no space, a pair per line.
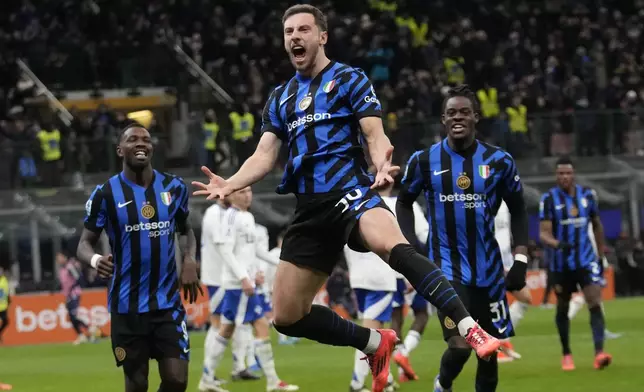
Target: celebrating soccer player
141,210
241,305
465,181
325,114
565,212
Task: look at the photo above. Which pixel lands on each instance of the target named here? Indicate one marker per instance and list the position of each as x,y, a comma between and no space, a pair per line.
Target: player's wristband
521,258
94,260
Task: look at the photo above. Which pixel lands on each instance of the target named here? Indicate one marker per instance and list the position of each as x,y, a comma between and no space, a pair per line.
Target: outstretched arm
258,165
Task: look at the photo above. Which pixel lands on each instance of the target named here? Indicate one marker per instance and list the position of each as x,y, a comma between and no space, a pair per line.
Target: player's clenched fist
104,265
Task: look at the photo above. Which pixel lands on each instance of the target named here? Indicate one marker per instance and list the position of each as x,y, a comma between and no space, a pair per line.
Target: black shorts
323,224
568,281
160,334
487,305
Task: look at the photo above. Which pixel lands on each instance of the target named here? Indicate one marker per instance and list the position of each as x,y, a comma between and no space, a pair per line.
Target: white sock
517,311
240,346
214,352
576,303
412,340
373,343
264,353
250,349
465,325
360,371
281,337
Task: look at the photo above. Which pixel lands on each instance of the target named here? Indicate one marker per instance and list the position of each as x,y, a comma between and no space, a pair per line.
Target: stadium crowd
544,71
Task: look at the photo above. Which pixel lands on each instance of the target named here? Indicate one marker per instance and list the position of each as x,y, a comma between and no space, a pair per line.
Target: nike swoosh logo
438,173
282,102
559,207
361,204
435,288
501,330
121,205
186,350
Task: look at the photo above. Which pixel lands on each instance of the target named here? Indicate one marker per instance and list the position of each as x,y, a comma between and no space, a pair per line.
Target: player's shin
264,352
576,303
214,352
517,311
563,325
327,327
597,325
360,371
452,362
429,281
487,375
242,339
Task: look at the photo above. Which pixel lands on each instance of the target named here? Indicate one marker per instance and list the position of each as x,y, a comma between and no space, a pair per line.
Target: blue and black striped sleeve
362,96
95,211
181,217
412,186
270,116
593,204
513,196
545,207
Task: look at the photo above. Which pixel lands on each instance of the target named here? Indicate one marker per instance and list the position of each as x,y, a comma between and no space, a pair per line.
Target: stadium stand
554,78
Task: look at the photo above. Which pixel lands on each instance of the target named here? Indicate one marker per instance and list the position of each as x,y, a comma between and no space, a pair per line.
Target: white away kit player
241,305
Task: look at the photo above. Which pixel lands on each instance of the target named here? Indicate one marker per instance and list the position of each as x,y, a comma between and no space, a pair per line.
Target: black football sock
452,363
563,327
428,280
487,375
598,326
325,326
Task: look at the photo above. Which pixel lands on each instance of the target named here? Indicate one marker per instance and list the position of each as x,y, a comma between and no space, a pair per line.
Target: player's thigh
174,374
489,305
379,231
591,281
564,283
130,340
169,334
449,327
294,289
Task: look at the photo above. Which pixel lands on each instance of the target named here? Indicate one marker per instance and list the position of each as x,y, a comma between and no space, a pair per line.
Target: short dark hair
133,124
564,161
320,18
463,90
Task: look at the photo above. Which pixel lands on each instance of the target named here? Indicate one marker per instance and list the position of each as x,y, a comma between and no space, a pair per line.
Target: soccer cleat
80,340
608,335
283,386
567,364
206,385
363,389
402,378
602,360
379,361
483,343
502,357
403,362
5,387
438,387
245,375
508,349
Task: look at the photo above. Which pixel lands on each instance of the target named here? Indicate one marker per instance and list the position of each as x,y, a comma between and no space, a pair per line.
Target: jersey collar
304,79
471,150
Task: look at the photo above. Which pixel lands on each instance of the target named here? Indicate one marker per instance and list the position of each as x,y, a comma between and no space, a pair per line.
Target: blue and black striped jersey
318,118
140,224
570,217
463,191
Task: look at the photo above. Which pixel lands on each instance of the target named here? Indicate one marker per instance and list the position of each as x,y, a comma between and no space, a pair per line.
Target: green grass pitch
318,368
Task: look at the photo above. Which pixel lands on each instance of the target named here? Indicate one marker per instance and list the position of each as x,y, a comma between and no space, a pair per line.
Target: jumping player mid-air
142,210
565,212
464,181
327,113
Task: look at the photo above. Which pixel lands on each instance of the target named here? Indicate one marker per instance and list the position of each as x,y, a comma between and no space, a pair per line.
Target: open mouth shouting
299,53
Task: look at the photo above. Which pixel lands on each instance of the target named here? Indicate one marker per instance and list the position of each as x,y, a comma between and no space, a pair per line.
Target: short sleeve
593,204
362,96
413,183
95,211
545,207
270,118
511,179
183,211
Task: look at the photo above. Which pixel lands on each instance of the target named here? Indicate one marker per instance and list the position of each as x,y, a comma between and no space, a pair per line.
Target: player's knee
562,310
179,384
282,318
136,383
